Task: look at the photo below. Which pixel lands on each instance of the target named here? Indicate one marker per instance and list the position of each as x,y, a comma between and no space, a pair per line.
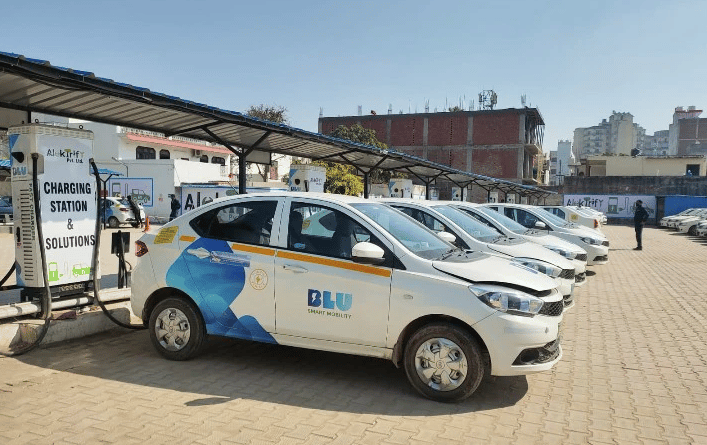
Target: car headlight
507,300
541,266
565,253
592,241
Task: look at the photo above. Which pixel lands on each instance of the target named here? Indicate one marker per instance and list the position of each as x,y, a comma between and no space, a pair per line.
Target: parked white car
348,275
575,215
689,225
672,222
701,229
664,220
470,234
594,242
510,228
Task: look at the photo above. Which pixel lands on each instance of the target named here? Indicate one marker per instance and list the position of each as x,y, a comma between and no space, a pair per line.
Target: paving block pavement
634,371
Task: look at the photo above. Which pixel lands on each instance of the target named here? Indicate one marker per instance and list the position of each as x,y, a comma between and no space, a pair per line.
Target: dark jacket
641,216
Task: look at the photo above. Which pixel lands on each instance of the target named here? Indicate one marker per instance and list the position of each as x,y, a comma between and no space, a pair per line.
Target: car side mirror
540,225
367,253
448,237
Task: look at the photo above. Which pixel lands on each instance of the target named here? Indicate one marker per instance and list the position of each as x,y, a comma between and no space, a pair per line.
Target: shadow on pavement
233,369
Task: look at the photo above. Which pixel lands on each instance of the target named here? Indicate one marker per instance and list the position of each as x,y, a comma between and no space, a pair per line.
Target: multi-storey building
616,136
688,132
562,162
656,145
500,143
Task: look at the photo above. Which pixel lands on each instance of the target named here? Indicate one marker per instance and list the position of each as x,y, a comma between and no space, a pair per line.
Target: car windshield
556,220
502,220
474,228
417,238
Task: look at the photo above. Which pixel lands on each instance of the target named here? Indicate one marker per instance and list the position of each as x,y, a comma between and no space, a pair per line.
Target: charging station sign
68,203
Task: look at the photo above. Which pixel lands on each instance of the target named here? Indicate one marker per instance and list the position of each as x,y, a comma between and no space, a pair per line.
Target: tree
272,113
455,109
356,133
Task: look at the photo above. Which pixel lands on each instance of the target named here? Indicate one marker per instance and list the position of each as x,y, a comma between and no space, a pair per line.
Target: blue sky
575,61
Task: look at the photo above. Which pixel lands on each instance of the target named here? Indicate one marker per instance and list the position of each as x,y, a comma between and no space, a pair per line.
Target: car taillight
596,223
140,248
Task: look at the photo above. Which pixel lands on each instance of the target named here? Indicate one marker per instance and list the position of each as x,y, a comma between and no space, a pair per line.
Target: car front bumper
513,340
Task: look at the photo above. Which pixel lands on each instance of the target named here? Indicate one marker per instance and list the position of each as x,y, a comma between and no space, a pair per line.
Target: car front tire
113,222
443,362
176,329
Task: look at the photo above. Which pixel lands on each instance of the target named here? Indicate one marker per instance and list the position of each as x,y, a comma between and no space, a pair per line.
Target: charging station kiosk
68,194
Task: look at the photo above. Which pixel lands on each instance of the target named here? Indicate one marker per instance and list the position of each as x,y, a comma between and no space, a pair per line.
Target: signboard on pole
140,189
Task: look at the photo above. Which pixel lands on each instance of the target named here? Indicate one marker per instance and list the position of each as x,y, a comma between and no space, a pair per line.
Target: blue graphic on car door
218,277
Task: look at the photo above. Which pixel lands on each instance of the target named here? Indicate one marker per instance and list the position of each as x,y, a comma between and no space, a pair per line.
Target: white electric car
594,242
470,234
575,215
347,275
510,228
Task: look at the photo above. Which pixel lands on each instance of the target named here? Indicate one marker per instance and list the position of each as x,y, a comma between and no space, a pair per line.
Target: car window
415,237
560,213
247,222
508,211
324,231
473,227
502,219
526,218
432,223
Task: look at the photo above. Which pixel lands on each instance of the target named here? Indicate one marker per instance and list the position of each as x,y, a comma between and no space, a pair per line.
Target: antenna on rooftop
522,100
487,99
427,106
360,110
390,108
321,111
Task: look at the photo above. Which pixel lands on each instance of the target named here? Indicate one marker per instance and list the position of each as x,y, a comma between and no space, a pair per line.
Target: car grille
582,257
568,300
553,309
605,243
567,273
579,278
601,258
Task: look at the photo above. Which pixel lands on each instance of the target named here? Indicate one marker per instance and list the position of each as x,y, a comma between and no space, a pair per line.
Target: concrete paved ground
634,372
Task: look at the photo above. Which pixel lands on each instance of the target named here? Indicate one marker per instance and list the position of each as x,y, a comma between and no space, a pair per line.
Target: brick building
504,144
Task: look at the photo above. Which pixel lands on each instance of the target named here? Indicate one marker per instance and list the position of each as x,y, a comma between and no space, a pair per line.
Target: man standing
175,205
639,219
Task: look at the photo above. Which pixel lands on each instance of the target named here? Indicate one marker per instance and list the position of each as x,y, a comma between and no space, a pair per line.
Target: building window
144,153
164,154
204,159
218,160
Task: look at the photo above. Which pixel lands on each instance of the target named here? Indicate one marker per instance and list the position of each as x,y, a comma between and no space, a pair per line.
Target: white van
348,275
595,243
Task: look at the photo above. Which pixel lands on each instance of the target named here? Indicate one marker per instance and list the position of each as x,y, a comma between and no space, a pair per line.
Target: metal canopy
35,85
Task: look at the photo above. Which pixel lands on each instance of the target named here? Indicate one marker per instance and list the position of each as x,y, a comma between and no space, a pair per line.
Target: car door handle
295,269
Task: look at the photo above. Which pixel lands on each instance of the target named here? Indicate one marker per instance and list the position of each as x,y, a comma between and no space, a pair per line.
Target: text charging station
67,193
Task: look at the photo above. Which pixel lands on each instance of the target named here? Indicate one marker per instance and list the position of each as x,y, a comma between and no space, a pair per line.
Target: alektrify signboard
140,189
68,203
193,197
613,206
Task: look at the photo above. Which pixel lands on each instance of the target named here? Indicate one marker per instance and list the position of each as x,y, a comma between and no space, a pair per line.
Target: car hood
533,251
585,231
552,240
490,269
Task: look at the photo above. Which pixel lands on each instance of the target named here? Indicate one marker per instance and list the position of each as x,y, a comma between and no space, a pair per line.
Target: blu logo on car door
322,292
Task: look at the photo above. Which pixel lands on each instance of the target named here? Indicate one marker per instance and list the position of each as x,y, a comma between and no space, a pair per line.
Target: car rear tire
176,329
443,362
692,231
113,222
